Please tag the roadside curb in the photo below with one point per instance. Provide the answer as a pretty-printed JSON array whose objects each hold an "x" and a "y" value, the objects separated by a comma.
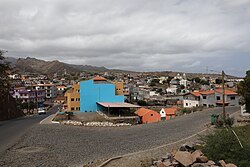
[{"x": 155, "y": 148}]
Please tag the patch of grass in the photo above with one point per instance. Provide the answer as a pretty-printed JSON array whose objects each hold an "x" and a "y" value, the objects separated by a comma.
[{"x": 223, "y": 145}]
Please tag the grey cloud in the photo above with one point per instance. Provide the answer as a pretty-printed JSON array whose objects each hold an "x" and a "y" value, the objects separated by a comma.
[{"x": 134, "y": 35}]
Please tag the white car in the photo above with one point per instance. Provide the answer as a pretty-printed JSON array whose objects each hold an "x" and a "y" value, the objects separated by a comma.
[{"x": 41, "y": 111}]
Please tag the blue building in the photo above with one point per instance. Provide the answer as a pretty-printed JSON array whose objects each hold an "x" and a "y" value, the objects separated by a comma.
[{"x": 97, "y": 90}]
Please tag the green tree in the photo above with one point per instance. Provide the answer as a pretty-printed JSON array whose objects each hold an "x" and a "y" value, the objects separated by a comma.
[
  {"x": 4, "y": 80},
  {"x": 197, "y": 80},
  {"x": 244, "y": 90},
  {"x": 142, "y": 103}
]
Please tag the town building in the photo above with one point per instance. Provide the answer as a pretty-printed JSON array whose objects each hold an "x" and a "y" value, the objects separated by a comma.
[
  {"x": 192, "y": 99},
  {"x": 97, "y": 90},
  {"x": 148, "y": 116},
  {"x": 168, "y": 113},
  {"x": 72, "y": 98},
  {"x": 24, "y": 95},
  {"x": 211, "y": 98},
  {"x": 119, "y": 88},
  {"x": 50, "y": 90}
]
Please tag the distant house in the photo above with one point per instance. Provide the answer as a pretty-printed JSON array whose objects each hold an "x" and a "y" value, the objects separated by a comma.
[
  {"x": 50, "y": 89},
  {"x": 148, "y": 116},
  {"x": 191, "y": 99},
  {"x": 211, "y": 98},
  {"x": 168, "y": 113}
]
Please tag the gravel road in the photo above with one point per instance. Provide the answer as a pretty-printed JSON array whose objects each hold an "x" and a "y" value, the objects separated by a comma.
[{"x": 61, "y": 145}]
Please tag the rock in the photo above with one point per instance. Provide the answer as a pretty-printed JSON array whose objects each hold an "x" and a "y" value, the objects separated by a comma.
[
  {"x": 167, "y": 156},
  {"x": 210, "y": 162},
  {"x": 196, "y": 154},
  {"x": 199, "y": 165},
  {"x": 173, "y": 152},
  {"x": 162, "y": 165},
  {"x": 189, "y": 146},
  {"x": 183, "y": 148},
  {"x": 156, "y": 163},
  {"x": 167, "y": 162},
  {"x": 223, "y": 163},
  {"x": 230, "y": 165},
  {"x": 202, "y": 159},
  {"x": 184, "y": 157},
  {"x": 175, "y": 162}
]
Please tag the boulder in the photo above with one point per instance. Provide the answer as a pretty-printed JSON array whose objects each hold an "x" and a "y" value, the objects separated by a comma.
[
  {"x": 199, "y": 165},
  {"x": 184, "y": 157},
  {"x": 230, "y": 165},
  {"x": 196, "y": 154},
  {"x": 187, "y": 147},
  {"x": 210, "y": 162},
  {"x": 222, "y": 163},
  {"x": 202, "y": 159},
  {"x": 167, "y": 156}
]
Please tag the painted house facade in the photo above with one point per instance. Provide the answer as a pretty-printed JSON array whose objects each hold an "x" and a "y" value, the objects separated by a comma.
[
  {"x": 50, "y": 90},
  {"x": 192, "y": 99},
  {"x": 168, "y": 113},
  {"x": 96, "y": 90},
  {"x": 148, "y": 116},
  {"x": 29, "y": 95},
  {"x": 212, "y": 98},
  {"x": 72, "y": 98}
]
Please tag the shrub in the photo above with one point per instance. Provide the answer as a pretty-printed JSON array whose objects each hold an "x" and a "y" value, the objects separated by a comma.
[{"x": 223, "y": 145}]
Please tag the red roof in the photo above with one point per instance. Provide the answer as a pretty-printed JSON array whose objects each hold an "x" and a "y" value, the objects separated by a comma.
[
  {"x": 207, "y": 92},
  {"x": 98, "y": 78},
  {"x": 143, "y": 111},
  {"x": 227, "y": 92},
  {"x": 170, "y": 111},
  {"x": 196, "y": 94}
]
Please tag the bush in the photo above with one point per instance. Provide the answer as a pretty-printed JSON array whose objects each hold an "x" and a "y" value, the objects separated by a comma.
[
  {"x": 227, "y": 122},
  {"x": 223, "y": 145}
]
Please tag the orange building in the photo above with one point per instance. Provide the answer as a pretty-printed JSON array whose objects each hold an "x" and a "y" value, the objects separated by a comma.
[
  {"x": 168, "y": 113},
  {"x": 72, "y": 98},
  {"x": 148, "y": 116},
  {"x": 119, "y": 88}
]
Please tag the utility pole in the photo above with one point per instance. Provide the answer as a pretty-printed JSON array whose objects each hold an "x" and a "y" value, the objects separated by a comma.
[{"x": 223, "y": 95}]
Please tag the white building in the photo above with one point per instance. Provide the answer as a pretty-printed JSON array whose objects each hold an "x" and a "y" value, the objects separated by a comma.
[{"x": 191, "y": 99}]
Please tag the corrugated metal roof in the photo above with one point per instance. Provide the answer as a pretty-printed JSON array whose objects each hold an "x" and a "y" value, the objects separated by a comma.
[{"x": 117, "y": 105}]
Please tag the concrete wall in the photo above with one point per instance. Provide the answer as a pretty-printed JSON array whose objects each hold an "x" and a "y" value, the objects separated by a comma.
[
  {"x": 190, "y": 103},
  {"x": 91, "y": 93},
  {"x": 209, "y": 101}
]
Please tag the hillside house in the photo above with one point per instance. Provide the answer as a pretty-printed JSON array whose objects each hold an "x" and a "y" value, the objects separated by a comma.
[
  {"x": 168, "y": 113},
  {"x": 192, "y": 99},
  {"x": 148, "y": 116}
]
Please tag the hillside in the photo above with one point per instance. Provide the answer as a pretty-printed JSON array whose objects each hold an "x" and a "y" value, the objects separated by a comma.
[{"x": 33, "y": 65}]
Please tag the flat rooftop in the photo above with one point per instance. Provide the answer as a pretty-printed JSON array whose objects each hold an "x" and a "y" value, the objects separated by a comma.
[{"x": 117, "y": 105}]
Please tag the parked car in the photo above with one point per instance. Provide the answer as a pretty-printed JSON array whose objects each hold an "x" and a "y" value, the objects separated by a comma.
[{"x": 41, "y": 111}]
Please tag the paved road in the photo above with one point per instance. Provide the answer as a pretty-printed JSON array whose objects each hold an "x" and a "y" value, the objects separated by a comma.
[
  {"x": 61, "y": 145},
  {"x": 12, "y": 130}
]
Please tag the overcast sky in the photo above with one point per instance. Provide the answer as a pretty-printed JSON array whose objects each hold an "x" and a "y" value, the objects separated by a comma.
[{"x": 141, "y": 35}]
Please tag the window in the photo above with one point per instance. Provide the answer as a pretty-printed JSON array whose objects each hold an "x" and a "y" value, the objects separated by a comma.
[
  {"x": 218, "y": 97},
  {"x": 204, "y": 97},
  {"x": 72, "y": 108},
  {"x": 77, "y": 99},
  {"x": 186, "y": 104},
  {"x": 72, "y": 99},
  {"x": 204, "y": 105},
  {"x": 232, "y": 98}
]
